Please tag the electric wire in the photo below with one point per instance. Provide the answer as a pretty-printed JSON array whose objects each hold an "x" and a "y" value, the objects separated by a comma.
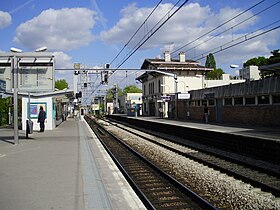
[
  {"x": 246, "y": 38},
  {"x": 152, "y": 33},
  {"x": 151, "y": 29},
  {"x": 136, "y": 31},
  {"x": 213, "y": 37},
  {"x": 241, "y": 13}
]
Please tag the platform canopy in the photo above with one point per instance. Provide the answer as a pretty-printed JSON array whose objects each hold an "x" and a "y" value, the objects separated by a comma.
[{"x": 270, "y": 70}]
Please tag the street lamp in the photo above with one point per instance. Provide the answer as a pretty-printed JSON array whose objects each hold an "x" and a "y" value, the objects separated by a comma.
[
  {"x": 15, "y": 65},
  {"x": 15, "y": 94},
  {"x": 15, "y": 50},
  {"x": 41, "y": 49},
  {"x": 233, "y": 66}
]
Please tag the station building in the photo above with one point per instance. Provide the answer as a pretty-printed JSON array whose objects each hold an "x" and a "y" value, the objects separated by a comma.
[{"x": 167, "y": 79}]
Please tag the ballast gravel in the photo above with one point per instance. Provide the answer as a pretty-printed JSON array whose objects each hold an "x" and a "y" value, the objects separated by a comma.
[{"x": 218, "y": 188}]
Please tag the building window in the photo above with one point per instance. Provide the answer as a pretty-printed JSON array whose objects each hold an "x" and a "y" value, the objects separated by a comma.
[
  {"x": 228, "y": 101},
  {"x": 238, "y": 101},
  {"x": 192, "y": 103},
  {"x": 204, "y": 102},
  {"x": 250, "y": 101},
  {"x": 159, "y": 87},
  {"x": 211, "y": 102},
  {"x": 276, "y": 99},
  {"x": 144, "y": 87},
  {"x": 263, "y": 99}
]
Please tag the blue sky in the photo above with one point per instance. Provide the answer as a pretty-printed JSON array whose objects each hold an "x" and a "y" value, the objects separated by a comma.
[{"x": 92, "y": 32}]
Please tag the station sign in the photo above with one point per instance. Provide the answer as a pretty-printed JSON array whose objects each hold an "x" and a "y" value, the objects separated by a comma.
[
  {"x": 184, "y": 96},
  {"x": 165, "y": 98}
]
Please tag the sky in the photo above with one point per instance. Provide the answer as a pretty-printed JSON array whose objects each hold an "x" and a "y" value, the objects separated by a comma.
[{"x": 94, "y": 32}]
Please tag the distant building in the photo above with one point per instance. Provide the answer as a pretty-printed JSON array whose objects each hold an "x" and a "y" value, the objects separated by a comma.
[
  {"x": 250, "y": 73},
  {"x": 166, "y": 78},
  {"x": 128, "y": 101}
]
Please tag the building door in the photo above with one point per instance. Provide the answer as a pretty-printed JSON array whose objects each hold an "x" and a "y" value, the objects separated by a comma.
[
  {"x": 219, "y": 107},
  {"x": 152, "y": 109}
]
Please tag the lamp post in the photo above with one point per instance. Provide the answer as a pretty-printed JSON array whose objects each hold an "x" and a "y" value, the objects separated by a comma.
[
  {"x": 14, "y": 63},
  {"x": 15, "y": 95}
]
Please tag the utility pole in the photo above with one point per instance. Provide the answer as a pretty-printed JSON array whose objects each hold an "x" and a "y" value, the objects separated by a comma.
[
  {"x": 15, "y": 69},
  {"x": 115, "y": 102}
]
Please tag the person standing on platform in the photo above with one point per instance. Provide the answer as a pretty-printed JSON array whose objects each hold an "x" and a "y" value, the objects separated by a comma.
[
  {"x": 41, "y": 119},
  {"x": 160, "y": 112},
  {"x": 206, "y": 113}
]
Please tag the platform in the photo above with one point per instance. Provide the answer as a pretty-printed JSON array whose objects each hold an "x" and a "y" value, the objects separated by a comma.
[
  {"x": 64, "y": 168},
  {"x": 242, "y": 130}
]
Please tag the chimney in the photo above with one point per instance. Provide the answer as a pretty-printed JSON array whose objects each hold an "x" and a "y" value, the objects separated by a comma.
[
  {"x": 167, "y": 56},
  {"x": 182, "y": 57}
]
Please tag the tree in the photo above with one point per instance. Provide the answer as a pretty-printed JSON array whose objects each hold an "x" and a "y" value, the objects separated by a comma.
[
  {"x": 210, "y": 61},
  {"x": 259, "y": 61},
  {"x": 275, "y": 58},
  {"x": 215, "y": 74},
  {"x": 132, "y": 89},
  {"x": 111, "y": 92},
  {"x": 61, "y": 84},
  {"x": 4, "y": 110}
]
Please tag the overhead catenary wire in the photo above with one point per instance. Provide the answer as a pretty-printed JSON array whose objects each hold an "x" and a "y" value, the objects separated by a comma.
[
  {"x": 243, "y": 21},
  {"x": 152, "y": 33},
  {"x": 246, "y": 38},
  {"x": 136, "y": 31},
  {"x": 219, "y": 26},
  {"x": 146, "y": 33}
]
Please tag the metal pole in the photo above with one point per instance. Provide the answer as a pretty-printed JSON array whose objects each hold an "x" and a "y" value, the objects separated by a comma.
[
  {"x": 29, "y": 118},
  {"x": 15, "y": 68}
]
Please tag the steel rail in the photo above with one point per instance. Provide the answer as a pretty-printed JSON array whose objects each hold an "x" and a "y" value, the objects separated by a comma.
[{"x": 180, "y": 186}]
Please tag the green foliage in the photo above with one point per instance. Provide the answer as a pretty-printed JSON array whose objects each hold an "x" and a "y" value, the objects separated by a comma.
[
  {"x": 210, "y": 61},
  {"x": 4, "y": 110},
  {"x": 215, "y": 74},
  {"x": 262, "y": 61},
  {"x": 110, "y": 93},
  {"x": 127, "y": 89},
  {"x": 275, "y": 58},
  {"x": 61, "y": 84},
  {"x": 132, "y": 89},
  {"x": 259, "y": 61}
]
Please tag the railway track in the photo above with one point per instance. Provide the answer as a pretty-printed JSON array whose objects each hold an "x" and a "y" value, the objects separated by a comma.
[
  {"x": 257, "y": 177},
  {"x": 157, "y": 189}
]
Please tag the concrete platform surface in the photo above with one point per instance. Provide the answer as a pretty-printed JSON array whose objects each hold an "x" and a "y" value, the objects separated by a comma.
[
  {"x": 251, "y": 131},
  {"x": 66, "y": 168}
]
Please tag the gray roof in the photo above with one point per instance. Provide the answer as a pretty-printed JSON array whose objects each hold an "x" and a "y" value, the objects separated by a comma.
[{"x": 174, "y": 64}]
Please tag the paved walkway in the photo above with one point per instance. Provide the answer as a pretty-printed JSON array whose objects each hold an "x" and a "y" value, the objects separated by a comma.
[{"x": 65, "y": 168}]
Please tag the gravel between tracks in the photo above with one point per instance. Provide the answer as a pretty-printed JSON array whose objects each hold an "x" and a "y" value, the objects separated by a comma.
[{"x": 221, "y": 189}]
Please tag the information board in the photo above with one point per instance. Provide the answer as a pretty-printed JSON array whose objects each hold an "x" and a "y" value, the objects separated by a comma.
[
  {"x": 35, "y": 109},
  {"x": 35, "y": 77},
  {"x": 35, "y": 71}
]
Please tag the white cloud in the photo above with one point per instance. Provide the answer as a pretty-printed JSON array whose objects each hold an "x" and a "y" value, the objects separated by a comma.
[
  {"x": 188, "y": 24},
  {"x": 62, "y": 60},
  {"x": 5, "y": 19},
  {"x": 63, "y": 29}
]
